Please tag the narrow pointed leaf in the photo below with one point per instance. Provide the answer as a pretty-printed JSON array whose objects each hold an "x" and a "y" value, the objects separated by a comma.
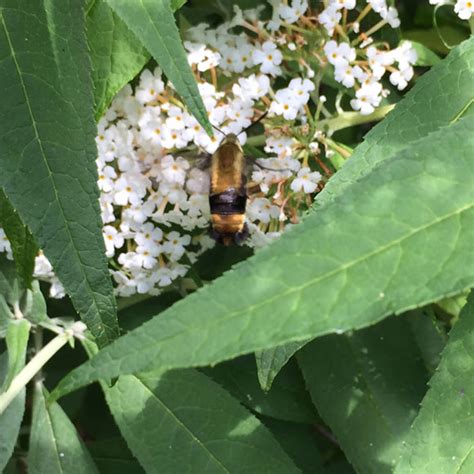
[
  {"x": 117, "y": 55},
  {"x": 367, "y": 388},
  {"x": 55, "y": 447},
  {"x": 23, "y": 246},
  {"x": 18, "y": 333},
  {"x": 377, "y": 253},
  {"x": 271, "y": 361},
  {"x": 153, "y": 23},
  {"x": 47, "y": 148},
  {"x": 441, "y": 439},
  {"x": 10, "y": 419},
  {"x": 183, "y": 419}
]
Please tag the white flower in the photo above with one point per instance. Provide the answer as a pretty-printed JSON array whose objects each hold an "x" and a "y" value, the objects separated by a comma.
[
  {"x": 148, "y": 236},
  {"x": 292, "y": 14},
  {"x": 282, "y": 146},
  {"x": 130, "y": 189},
  {"x": 367, "y": 98},
  {"x": 464, "y": 9},
  {"x": 175, "y": 120},
  {"x": 347, "y": 4},
  {"x": 4, "y": 243},
  {"x": 344, "y": 73},
  {"x": 150, "y": 86},
  {"x": 378, "y": 61},
  {"x": 199, "y": 54},
  {"x": 173, "y": 191},
  {"x": 113, "y": 239},
  {"x": 106, "y": 178},
  {"x": 378, "y": 5},
  {"x": 174, "y": 170},
  {"x": 261, "y": 209},
  {"x": 330, "y": 17},
  {"x": 57, "y": 289},
  {"x": 286, "y": 104},
  {"x": 339, "y": 54},
  {"x": 145, "y": 255},
  {"x": 306, "y": 181},
  {"x": 198, "y": 181},
  {"x": 253, "y": 87},
  {"x": 391, "y": 17},
  {"x": 174, "y": 245},
  {"x": 401, "y": 77},
  {"x": 300, "y": 88},
  {"x": 269, "y": 57}
]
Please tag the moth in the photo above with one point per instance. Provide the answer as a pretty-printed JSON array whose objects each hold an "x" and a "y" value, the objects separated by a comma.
[{"x": 228, "y": 193}]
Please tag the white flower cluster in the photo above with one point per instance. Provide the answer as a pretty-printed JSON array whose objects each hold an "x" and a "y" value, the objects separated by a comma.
[
  {"x": 154, "y": 197},
  {"x": 463, "y": 8},
  {"x": 154, "y": 202},
  {"x": 364, "y": 70}
]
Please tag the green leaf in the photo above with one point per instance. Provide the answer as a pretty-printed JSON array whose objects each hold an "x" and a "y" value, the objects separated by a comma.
[
  {"x": 441, "y": 439},
  {"x": 10, "y": 419},
  {"x": 153, "y": 24},
  {"x": 378, "y": 252},
  {"x": 9, "y": 288},
  {"x": 18, "y": 333},
  {"x": 299, "y": 442},
  {"x": 183, "y": 419},
  {"x": 439, "y": 98},
  {"x": 47, "y": 149},
  {"x": 429, "y": 335},
  {"x": 23, "y": 246},
  {"x": 55, "y": 446},
  {"x": 367, "y": 387},
  {"x": 117, "y": 56},
  {"x": 177, "y": 4},
  {"x": 454, "y": 304},
  {"x": 35, "y": 306},
  {"x": 271, "y": 361},
  {"x": 112, "y": 456},
  {"x": 287, "y": 400},
  {"x": 426, "y": 57}
]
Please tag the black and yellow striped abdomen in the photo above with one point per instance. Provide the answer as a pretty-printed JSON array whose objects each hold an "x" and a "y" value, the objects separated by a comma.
[{"x": 228, "y": 195}]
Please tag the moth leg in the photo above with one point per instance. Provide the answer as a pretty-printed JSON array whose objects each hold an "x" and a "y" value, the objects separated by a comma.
[{"x": 242, "y": 236}]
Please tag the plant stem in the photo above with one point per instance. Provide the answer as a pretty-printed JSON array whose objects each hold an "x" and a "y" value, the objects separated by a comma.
[
  {"x": 32, "y": 368},
  {"x": 350, "y": 119},
  {"x": 343, "y": 120}
]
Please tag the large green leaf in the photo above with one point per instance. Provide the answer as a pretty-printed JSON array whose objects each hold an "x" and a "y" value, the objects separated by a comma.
[
  {"x": 440, "y": 97},
  {"x": 182, "y": 419},
  {"x": 116, "y": 54},
  {"x": 23, "y": 246},
  {"x": 47, "y": 148},
  {"x": 441, "y": 440},
  {"x": 367, "y": 387},
  {"x": 10, "y": 419},
  {"x": 390, "y": 243},
  {"x": 55, "y": 446},
  {"x": 153, "y": 24}
]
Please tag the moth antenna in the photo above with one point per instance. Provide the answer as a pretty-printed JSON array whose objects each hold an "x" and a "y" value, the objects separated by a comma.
[
  {"x": 254, "y": 123},
  {"x": 219, "y": 130}
]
